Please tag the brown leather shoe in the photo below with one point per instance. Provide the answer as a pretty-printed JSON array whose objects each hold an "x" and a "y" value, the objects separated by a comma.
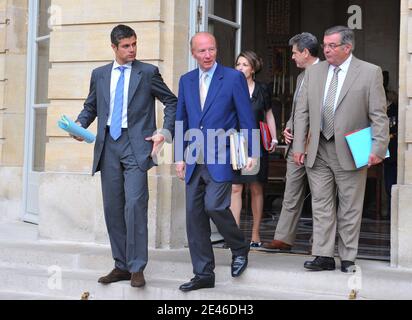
[
  {"x": 277, "y": 244},
  {"x": 115, "y": 275},
  {"x": 137, "y": 279}
]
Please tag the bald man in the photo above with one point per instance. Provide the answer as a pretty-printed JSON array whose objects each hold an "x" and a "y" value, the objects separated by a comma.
[{"x": 211, "y": 97}]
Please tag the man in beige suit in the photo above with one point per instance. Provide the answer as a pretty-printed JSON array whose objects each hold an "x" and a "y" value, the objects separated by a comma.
[
  {"x": 339, "y": 95},
  {"x": 305, "y": 50}
]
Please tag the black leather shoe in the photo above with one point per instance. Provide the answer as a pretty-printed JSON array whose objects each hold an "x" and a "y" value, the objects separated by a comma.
[
  {"x": 239, "y": 264},
  {"x": 320, "y": 264},
  {"x": 198, "y": 283},
  {"x": 347, "y": 266}
]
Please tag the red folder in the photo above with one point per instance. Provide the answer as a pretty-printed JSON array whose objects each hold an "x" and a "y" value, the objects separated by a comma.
[{"x": 265, "y": 134}]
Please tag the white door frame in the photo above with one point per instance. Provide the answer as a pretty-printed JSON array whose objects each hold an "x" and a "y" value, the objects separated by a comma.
[
  {"x": 30, "y": 177},
  {"x": 199, "y": 21}
]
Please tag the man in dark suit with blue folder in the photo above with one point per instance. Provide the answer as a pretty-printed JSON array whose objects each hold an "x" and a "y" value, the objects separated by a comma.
[
  {"x": 211, "y": 98},
  {"x": 122, "y": 97}
]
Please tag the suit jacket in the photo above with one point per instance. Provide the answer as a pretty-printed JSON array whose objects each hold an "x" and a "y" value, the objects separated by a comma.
[
  {"x": 145, "y": 85},
  {"x": 227, "y": 106},
  {"x": 361, "y": 103},
  {"x": 290, "y": 122}
]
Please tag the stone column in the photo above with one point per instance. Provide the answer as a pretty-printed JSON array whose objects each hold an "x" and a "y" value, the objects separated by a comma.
[{"x": 401, "y": 219}]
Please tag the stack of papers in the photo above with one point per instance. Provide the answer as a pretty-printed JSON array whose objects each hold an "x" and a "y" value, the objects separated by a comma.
[
  {"x": 238, "y": 151},
  {"x": 74, "y": 129}
]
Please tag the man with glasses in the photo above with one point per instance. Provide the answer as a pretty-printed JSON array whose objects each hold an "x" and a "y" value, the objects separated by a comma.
[{"x": 339, "y": 96}]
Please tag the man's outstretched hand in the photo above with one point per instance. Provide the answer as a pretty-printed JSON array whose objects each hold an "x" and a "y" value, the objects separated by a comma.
[{"x": 158, "y": 140}]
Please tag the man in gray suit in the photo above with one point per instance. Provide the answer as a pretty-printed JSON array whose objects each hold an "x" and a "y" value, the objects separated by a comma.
[
  {"x": 122, "y": 97},
  {"x": 339, "y": 95},
  {"x": 305, "y": 50}
]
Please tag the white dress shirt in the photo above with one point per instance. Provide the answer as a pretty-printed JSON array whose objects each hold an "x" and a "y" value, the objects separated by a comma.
[
  {"x": 113, "y": 83},
  {"x": 210, "y": 74},
  {"x": 303, "y": 80},
  {"x": 344, "y": 67}
]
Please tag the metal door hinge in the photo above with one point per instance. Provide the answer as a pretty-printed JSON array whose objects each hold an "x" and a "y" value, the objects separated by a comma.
[{"x": 199, "y": 15}]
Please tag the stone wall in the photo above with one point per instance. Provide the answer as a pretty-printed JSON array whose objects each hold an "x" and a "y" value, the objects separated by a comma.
[{"x": 13, "y": 44}]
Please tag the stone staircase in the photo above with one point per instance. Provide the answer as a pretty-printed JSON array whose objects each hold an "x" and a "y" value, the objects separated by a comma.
[
  {"x": 51, "y": 270},
  {"x": 38, "y": 269}
]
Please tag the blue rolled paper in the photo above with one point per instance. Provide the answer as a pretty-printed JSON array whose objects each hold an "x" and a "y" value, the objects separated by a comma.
[{"x": 74, "y": 129}]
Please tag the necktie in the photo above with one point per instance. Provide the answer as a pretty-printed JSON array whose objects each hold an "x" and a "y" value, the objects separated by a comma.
[
  {"x": 328, "y": 113},
  {"x": 116, "y": 123},
  {"x": 203, "y": 89}
]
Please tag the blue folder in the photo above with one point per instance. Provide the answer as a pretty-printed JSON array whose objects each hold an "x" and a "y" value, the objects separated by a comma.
[
  {"x": 74, "y": 129},
  {"x": 360, "y": 144}
]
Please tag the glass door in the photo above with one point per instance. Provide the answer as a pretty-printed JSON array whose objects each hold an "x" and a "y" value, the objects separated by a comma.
[
  {"x": 224, "y": 20},
  {"x": 36, "y": 105}
]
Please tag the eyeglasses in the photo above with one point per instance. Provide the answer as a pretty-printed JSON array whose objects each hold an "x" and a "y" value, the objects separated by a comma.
[{"x": 332, "y": 46}]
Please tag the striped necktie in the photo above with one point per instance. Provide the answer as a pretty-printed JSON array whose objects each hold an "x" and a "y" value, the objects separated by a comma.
[{"x": 328, "y": 113}]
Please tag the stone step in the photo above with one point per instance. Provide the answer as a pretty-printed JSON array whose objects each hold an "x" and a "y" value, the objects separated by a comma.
[
  {"x": 12, "y": 295},
  {"x": 64, "y": 254},
  {"x": 176, "y": 265},
  {"x": 36, "y": 283},
  {"x": 270, "y": 272}
]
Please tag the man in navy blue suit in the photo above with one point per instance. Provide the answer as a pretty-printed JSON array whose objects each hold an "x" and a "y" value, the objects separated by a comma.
[{"x": 212, "y": 101}]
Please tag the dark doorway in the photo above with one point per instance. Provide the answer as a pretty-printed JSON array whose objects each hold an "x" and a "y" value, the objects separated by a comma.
[{"x": 266, "y": 28}]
